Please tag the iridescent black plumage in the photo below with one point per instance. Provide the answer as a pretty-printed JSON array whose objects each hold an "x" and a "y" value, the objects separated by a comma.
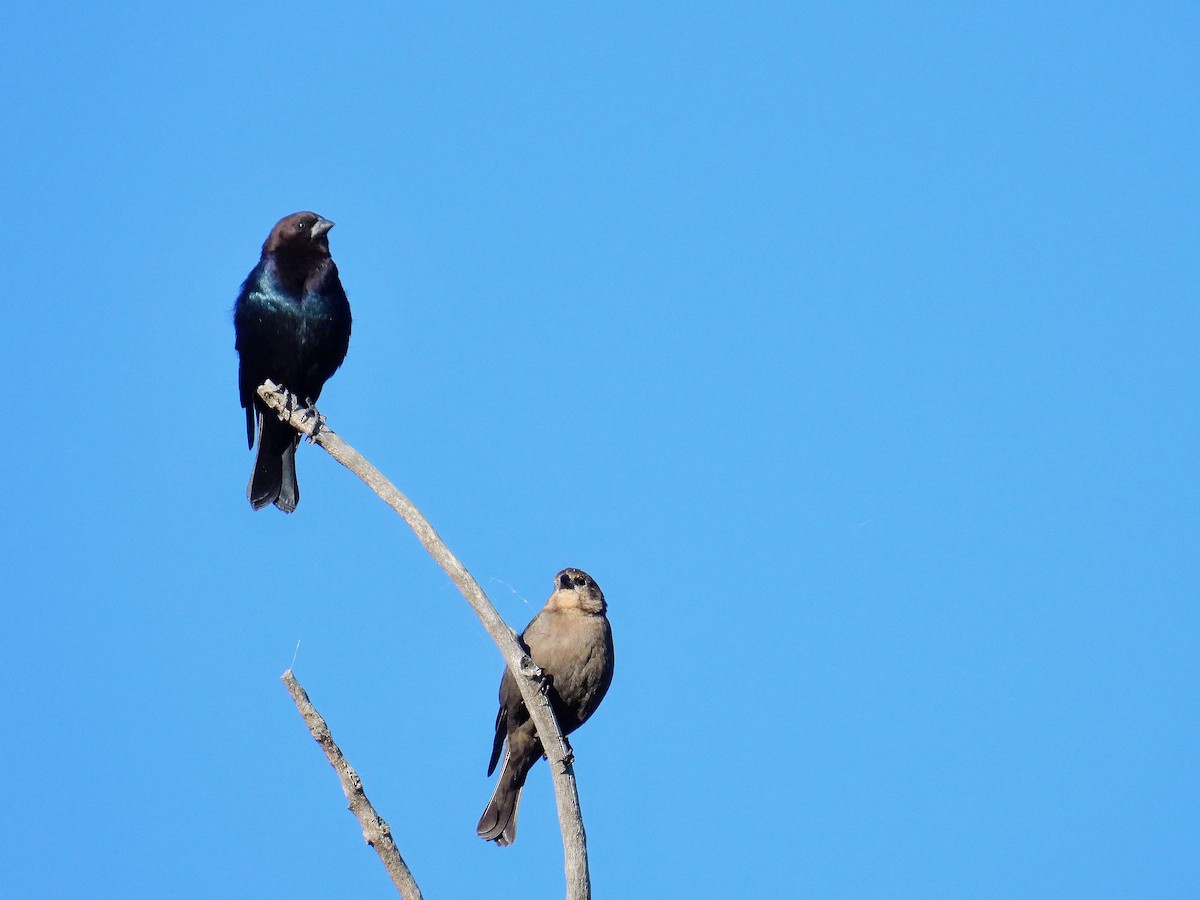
[{"x": 292, "y": 321}]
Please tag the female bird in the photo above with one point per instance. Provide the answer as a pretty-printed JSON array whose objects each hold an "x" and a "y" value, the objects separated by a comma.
[{"x": 571, "y": 641}]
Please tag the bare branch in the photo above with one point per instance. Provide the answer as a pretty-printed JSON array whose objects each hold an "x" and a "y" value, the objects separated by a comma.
[
  {"x": 528, "y": 676},
  {"x": 375, "y": 830}
]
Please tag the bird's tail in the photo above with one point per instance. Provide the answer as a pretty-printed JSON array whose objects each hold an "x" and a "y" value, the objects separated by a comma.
[
  {"x": 499, "y": 821},
  {"x": 289, "y": 490},
  {"x": 274, "y": 477}
]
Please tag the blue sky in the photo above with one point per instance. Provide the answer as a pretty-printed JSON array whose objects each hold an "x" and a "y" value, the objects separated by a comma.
[{"x": 852, "y": 351}]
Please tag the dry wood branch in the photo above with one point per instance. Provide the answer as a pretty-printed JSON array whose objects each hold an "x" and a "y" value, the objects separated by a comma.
[
  {"x": 375, "y": 830},
  {"x": 528, "y": 676}
]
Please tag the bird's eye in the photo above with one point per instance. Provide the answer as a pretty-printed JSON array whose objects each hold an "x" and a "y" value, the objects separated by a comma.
[{"x": 302, "y": 225}]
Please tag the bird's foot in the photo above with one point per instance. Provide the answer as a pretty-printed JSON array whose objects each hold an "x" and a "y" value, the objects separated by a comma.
[
  {"x": 568, "y": 758},
  {"x": 311, "y": 413},
  {"x": 288, "y": 403},
  {"x": 530, "y": 669}
]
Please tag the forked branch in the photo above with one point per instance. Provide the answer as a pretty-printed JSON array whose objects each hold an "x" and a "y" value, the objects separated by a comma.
[{"x": 528, "y": 676}]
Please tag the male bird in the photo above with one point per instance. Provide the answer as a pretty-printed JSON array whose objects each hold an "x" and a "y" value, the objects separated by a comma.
[
  {"x": 571, "y": 641},
  {"x": 292, "y": 322}
]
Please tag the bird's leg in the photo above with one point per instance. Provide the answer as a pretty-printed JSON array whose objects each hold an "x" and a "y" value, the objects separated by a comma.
[
  {"x": 318, "y": 426},
  {"x": 311, "y": 412},
  {"x": 568, "y": 757},
  {"x": 289, "y": 403},
  {"x": 531, "y": 670}
]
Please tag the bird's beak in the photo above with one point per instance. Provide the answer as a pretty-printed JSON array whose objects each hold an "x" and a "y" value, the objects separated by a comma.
[{"x": 321, "y": 227}]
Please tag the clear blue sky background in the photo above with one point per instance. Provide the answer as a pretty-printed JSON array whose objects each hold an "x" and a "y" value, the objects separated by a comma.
[{"x": 853, "y": 351}]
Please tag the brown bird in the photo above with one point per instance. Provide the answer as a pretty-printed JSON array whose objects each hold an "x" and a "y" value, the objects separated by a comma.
[{"x": 571, "y": 641}]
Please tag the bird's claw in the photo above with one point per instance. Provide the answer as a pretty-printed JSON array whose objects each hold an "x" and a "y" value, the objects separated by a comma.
[
  {"x": 287, "y": 403},
  {"x": 530, "y": 669},
  {"x": 568, "y": 757},
  {"x": 318, "y": 424}
]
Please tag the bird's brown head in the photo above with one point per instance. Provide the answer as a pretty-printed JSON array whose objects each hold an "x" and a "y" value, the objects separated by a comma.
[
  {"x": 301, "y": 233},
  {"x": 575, "y": 587}
]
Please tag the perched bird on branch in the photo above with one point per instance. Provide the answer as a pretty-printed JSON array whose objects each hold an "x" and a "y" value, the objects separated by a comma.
[
  {"x": 571, "y": 641},
  {"x": 292, "y": 322}
]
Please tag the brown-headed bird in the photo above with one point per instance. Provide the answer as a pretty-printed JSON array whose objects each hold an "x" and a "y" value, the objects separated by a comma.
[
  {"x": 571, "y": 641},
  {"x": 292, "y": 322}
]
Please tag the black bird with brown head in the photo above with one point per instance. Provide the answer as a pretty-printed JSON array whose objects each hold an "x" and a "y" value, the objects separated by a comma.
[{"x": 292, "y": 325}]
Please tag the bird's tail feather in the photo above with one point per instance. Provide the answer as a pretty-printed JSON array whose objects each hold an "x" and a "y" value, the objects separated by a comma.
[
  {"x": 274, "y": 477},
  {"x": 499, "y": 820},
  {"x": 289, "y": 489}
]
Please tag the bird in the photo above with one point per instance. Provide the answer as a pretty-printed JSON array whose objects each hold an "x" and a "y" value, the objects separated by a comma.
[
  {"x": 571, "y": 641},
  {"x": 292, "y": 326}
]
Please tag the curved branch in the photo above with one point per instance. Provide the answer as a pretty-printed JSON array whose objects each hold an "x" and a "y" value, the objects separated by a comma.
[
  {"x": 376, "y": 831},
  {"x": 528, "y": 676}
]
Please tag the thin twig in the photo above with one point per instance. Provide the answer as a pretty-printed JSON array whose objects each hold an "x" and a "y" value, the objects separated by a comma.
[
  {"x": 375, "y": 830},
  {"x": 528, "y": 676}
]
